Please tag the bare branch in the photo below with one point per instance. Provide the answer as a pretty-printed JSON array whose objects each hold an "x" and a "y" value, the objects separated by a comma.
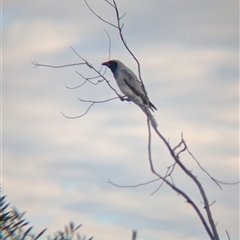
[
  {"x": 214, "y": 235},
  {"x": 79, "y": 116},
  {"x": 103, "y": 101},
  {"x": 98, "y": 15},
  {"x": 78, "y": 86},
  {"x": 169, "y": 172},
  {"x": 211, "y": 204},
  {"x": 109, "y": 3},
  {"x": 133, "y": 186},
  {"x": 36, "y": 64},
  {"x": 87, "y": 80},
  {"x": 157, "y": 188},
  {"x": 120, "y": 18},
  {"x": 91, "y": 105},
  {"x": 228, "y": 235},
  {"x": 177, "y": 146},
  {"x": 134, "y": 235},
  {"x": 98, "y": 72},
  {"x": 214, "y": 179},
  {"x": 109, "y": 45},
  {"x": 91, "y": 78}
]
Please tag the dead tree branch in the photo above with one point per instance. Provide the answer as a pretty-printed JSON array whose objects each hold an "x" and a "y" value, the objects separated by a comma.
[
  {"x": 212, "y": 232},
  {"x": 174, "y": 152}
]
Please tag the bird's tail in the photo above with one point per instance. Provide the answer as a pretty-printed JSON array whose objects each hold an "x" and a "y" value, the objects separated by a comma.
[{"x": 149, "y": 115}]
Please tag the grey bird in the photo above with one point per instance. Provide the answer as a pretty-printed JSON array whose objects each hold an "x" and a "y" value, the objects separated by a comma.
[{"x": 131, "y": 87}]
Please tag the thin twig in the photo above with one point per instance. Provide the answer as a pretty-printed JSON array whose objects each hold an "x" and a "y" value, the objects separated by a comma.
[
  {"x": 98, "y": 72},
  {"x": 218, "y": 182},
  {"x": 109, "y": 44},
  {"x": 102, "y": 101},
  {"x": 109, "y": 3},
  {"x": 102, "y": 19},
  {"x": 36, "y": 64},
  {"x": 91, "y": 105},
  {"x": 133, "y": 186},
  {"x": 228, "y": 235},
  {"x": 78, "y": 86},
  {"x": 168, "y": 174},
  {"x": 79, "y": 116}
]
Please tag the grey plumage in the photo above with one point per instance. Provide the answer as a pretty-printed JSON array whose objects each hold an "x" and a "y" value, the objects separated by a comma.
[{"x": 131, "y": 87}]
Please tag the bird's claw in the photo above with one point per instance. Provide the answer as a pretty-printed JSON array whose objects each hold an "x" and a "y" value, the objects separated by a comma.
[{"x": 124, "y": 98}]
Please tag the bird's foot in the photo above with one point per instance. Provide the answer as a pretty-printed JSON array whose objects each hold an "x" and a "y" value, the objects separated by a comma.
[{"x": 124, "y": 98}]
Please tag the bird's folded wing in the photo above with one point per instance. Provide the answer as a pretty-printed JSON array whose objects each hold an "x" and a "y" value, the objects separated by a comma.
[{"x": 134, "y": 84}]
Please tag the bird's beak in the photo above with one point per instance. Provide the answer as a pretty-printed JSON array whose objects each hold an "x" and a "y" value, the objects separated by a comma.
[{"x": 105, "y": 63}]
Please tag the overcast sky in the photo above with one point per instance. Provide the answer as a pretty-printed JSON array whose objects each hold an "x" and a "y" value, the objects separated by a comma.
[{"x": 56, "y": 169}]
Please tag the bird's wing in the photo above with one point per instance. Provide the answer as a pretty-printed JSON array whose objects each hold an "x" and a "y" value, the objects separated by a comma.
[
  {"x": 136, "y": 86},
  {"x": 133, "y": 83}
]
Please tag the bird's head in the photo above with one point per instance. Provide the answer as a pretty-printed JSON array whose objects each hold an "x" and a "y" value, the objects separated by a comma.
[{"x": 112, "y": 64}]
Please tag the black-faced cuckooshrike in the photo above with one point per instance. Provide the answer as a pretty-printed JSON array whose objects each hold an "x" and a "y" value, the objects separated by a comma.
[{"x": 131, "y": 87}]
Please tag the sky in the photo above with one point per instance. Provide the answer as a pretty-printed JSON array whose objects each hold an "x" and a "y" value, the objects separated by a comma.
[{"x": 57, "y": 169}]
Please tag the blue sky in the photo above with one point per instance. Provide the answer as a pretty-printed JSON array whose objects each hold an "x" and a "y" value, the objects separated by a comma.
[{"x": 57, "y": 169}]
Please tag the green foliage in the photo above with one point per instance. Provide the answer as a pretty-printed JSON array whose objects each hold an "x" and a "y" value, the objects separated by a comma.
[
  {"x": 12, "y": 224},
  {"x": 14, "y": 227},
  {"x": 69, "y": 233}
]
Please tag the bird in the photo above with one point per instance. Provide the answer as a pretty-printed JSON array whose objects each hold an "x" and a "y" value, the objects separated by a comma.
[{"x": 131, "y": 87}]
